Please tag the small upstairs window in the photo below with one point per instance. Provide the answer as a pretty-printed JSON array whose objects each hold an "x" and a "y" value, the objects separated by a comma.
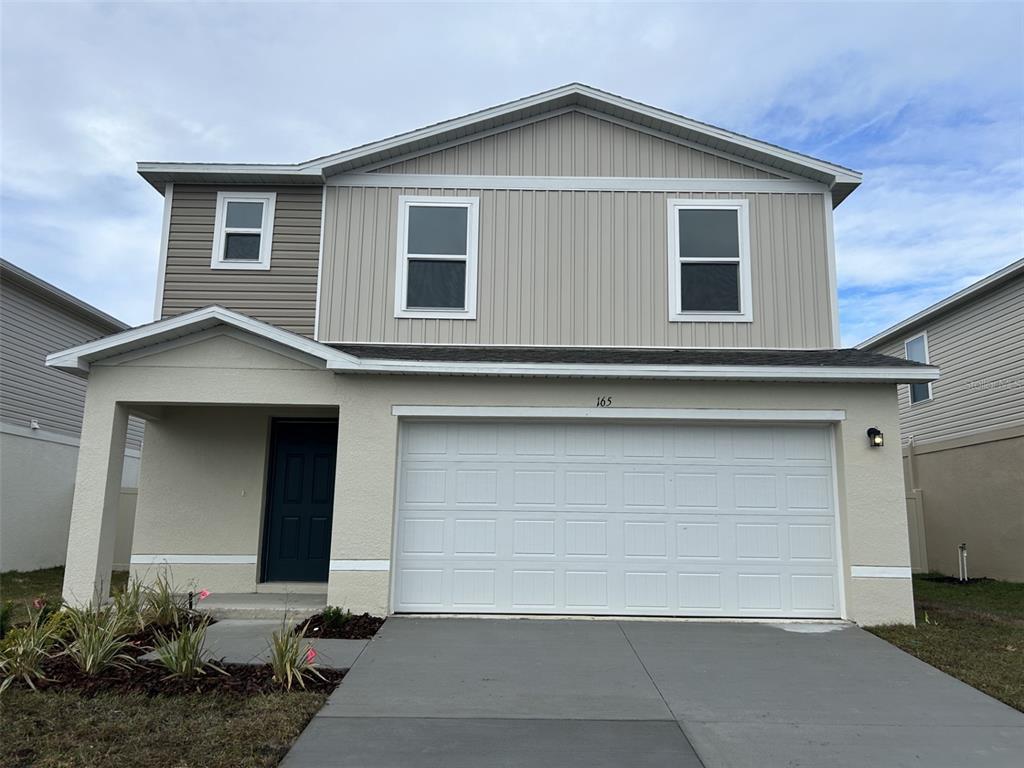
[
  {"x": 437, "y": 254},
  {"x": 244, "y": 230},
  {"x": 709, "y": 261},
  {"x": 916, "y": 349}
]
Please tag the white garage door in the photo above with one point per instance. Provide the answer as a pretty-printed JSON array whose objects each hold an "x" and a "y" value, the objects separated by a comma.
[{"x": 668, "y": 519}]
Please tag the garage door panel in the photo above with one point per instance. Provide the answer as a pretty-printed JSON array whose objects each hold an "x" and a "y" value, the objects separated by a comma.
[{"x": 649, "y": 519}]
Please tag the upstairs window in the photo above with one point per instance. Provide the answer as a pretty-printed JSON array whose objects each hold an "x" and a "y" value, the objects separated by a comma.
[
  {"x": 709, "y": 261},
  {"x": 916, "y": 349},
  {"x": 244, "y": 230},
  {"x": 437, "y": 254}
]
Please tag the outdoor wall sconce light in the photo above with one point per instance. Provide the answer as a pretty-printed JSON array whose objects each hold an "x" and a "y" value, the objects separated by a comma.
[{"x": 875, "y": 437}]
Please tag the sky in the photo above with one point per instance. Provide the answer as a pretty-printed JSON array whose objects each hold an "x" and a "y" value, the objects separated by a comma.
[{"x": 927, "y": 100}]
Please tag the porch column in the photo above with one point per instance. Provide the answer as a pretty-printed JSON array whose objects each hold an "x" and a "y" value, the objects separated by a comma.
[
  {"x": 363, "y": 510},
  {"x": 94, "y": 511}
]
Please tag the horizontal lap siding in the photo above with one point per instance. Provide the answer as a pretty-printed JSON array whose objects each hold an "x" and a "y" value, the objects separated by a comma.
[
  {"x": 979, "y": 348},
  {"x": 32, "y": 327},
  {"x": 284, "y": 295},
  {"x": 576, "y": 144},
  {"x": 575, "y": 268}
]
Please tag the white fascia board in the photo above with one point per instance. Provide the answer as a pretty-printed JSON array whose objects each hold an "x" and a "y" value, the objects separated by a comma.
[
  {"x": 77, "y": 359},
  {"x": 240, "y": 169},
  {"x": 572, "y": 183},
  {"x": 628, "y": 414},
  {"x": 838, "y": 173},
  {"x": 1008, "y": 272},
  {"x": 895, "y": 374}
]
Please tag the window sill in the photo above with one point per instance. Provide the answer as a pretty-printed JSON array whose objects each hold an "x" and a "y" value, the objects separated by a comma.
[
  {"x": 440, "y": 314},
  {"x": 250, "y": 266},
  {"x": 710, "y": 317}
]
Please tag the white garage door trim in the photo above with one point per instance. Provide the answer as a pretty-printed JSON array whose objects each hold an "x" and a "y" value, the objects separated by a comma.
[{"x": 768, "y": 419}]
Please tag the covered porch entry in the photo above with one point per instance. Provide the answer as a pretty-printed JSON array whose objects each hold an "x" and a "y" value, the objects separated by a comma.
[{"x": 239, "y": 478}]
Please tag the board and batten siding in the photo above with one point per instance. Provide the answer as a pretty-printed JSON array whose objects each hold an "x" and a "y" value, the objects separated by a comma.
[
  {"x": 284, "y": 295},
  {"x": 575, "y": 268},
  {"x": 576, "y": 144},
  {"x": 979, "y": 347},
  {"x": 33, "y": 326}
]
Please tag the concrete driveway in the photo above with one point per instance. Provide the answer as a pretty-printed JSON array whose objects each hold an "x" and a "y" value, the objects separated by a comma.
[{"x": 531, "y": 693}]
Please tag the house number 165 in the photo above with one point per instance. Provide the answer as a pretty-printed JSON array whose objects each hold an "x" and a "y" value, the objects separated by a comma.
[{"x": 604, "y": 402}]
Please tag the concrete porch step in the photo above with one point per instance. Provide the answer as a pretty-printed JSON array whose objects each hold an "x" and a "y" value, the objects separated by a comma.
[{"x": 291, "y": 606}]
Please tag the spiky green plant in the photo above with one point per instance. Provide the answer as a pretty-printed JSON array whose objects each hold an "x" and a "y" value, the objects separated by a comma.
[
  {"x": 94, "y": 640},
  {"x": 292, "y": 657},
  {"x": 163, "y": 606},
  {"x": 25, "y": 648},
  {"x": 183, "y": 652}
]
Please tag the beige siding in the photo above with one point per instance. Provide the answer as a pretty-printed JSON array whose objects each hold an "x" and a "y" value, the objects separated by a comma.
[
  {"x": 575, "y": 268},
  {"x": 576, "y": 144},
  {"x": 32, "y": 327},
  {"x": 980, "y": 349},
  {"x": 284, "y": 295}
]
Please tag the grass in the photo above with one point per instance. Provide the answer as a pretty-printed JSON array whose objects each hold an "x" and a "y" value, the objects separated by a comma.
[
  {"x": 52, "y": 729},
  {"x": 22, "y": 587},
  {"x": 974, "y": 632}
]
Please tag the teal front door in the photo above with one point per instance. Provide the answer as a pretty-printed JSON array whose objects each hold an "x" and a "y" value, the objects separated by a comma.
[{"x": 300, "y": 500}]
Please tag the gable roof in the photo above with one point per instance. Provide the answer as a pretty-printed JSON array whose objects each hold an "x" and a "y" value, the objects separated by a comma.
[
  {"x": 971, "y": 293},
  {"x": 842, "y": 181},
  {"x": 677, "y": 364},
  {"x": 13, "y": 273}
]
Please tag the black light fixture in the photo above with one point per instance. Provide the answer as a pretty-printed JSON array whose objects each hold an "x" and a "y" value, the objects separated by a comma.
[{"x": 875, "y": 437}]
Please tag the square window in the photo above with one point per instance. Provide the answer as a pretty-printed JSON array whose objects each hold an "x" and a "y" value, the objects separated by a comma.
[
  {"x": 433, "y": 283},
  {"x": 244, "y": 215},
  {"x": 243, "y": 230},
  {"x": 709, "y": 287},
  {"x": 708, "y": 234},
  {"x": 437, "y": 230},
  {"x": 709, "y": 261},
  {"x": 241, "y": 247},
  {"x": 437, "y": 255}
]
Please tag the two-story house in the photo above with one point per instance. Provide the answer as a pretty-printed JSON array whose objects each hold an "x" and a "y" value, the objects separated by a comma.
[
  {"x": 963, "y": 436},
  {"x": 568, "y": 355}
]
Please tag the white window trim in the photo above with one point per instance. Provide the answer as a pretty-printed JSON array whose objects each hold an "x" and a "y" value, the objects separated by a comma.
[
  {"x": 266, "y": 230},
  {"x": 675, "y": 313},
  {"x": 927, "y": 361},
  {"x": 472, "y": 236}
]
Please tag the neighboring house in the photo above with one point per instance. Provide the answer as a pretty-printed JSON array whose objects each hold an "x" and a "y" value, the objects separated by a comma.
[
  {"x": 568, "y": 355},
  {"x": 41, "y": 419},
  {"x": 963, "y": 435}
]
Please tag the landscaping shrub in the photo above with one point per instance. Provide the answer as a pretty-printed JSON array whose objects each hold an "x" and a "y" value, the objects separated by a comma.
[
  {"x": 129, "y": 603},
  {"x": 335, "y": 617},
  {"x": 163, "y": 607},
  {"x": 291, "y": 658},
  {"x": 25, "y": 648},
  {"x": 182, "y": 652},
  {"x": 94, "y": 640}
]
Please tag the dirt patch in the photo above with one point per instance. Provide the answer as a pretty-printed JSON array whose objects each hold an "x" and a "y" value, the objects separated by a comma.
[{"x": 352, "y": 627}]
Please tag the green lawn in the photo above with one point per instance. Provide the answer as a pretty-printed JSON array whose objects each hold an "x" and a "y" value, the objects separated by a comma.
[
  {"x": 974, "y": 632},
  {"x": 22, "y": 587},
  {"x": 47, "y": 730}
]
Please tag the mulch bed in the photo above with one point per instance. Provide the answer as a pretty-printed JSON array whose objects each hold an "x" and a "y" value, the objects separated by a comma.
[
  {"x": 150, "y": 679},
  {"x": 361, "y": 627}
]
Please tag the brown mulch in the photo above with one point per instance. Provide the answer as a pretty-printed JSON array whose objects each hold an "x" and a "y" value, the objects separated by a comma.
[
  {"x": 361, "y": 627},
  {"x": 150, "y": 679}
]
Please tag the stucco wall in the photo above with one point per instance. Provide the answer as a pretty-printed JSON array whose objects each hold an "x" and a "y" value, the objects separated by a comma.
[
  {"x": 194, "y": 477},
  {"x": 37, "y": 485},
  {"x": 974, "y": 494}
]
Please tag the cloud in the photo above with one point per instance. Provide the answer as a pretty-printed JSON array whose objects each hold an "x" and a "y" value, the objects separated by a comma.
[{"x": 925, "y": 99}]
